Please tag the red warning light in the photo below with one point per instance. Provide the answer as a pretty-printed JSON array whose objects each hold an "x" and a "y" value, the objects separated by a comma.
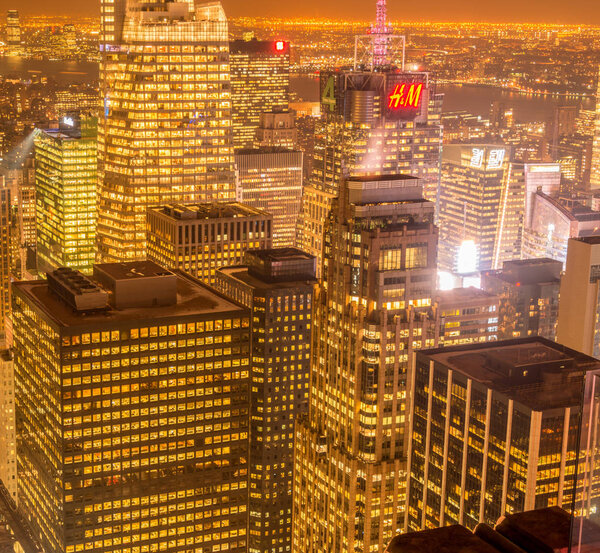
[
  {"x": 405, "y": 96},
  {"x": 280, "y": 45}
]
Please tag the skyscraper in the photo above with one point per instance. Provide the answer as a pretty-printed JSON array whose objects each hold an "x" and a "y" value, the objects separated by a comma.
[
  {"x": 166, "y": 132},
  {"x": 277, "y": 128},
  {"x": 13, "y": 31},
  {"x": 528, "y": 291},
  {"x": 260, "y": 82},
  {"x": 270, "y": 178},
  {"x": 371, "y": 314},
  {"x": 132, "y": 414},
  {"x": 595, "y": 165},
  {"x": 578, "y": 322},
  {"x": 473, "y": 178},
  {"x": 277, "y": 286},
  {"x": 494, "y": 431},
  {"x": 6, "y": 224},
  {"x": 517, "y": 205},
  {"x": 66, "y": 182},
  {"x": 384, "y": 122},
  {"x": 201, "y": 238}
]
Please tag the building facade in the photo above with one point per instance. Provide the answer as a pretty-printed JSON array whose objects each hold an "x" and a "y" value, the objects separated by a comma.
[
  {"x": 166, "y": 132},
  {"x": 277, "y": 128},
  {"x": 494, "y": 431},
  {"x": 270, "y": 179},
  {"x": 465, "y": 316},
  {"x": 595, "y": 164},
  {"x": 371, "y": 123},
  {"x": 473, "y": 178},
  {"x": 278, "y": 287},
  {"x": 132, "y": 415},
  {"x": 6, "y": 224},
  {"x": 260, "y": 82},
  {"x": 8, "y": 444},
  {"x": 528, "y": 291},
  {"x": 66, "y": 180},
  {"x": 579, "y": 307},
  {"x": 371, "y": 313},
  {"x": 201, "y": 238}
]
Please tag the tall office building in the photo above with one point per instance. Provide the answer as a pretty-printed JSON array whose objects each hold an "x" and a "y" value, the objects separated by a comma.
[
  {"x": 131, "y": 394},
  {"x": 494, "y": 431},
  {"x": 528, "y": 291},
  {"x": 465, "y": 316},
  {"x": 8, "y": 444},
  {"x": 371, "y": 314},
  {"x": 6, "y": 224},
  {"x": 201, "y": 238},
  {"x": 66, "y": 180},
  {"x": 522, "y": 181},
  {"x": 579, "y": 307},
  {"x": 383, "y": 123},
  {"x": 13, "y": 30},
  {"x": 473, "y": 179},
  {"x": 595, "y": 164},
  {"x": 270, "y": 178},
  {"x": 278, "y": 287},
  {"x": 260, "y": 82},
  {"x": 166, "y": 132}
]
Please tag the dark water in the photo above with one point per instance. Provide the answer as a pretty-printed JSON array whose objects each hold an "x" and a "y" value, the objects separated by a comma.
[
  {"x": 63, "y": 72},
  {"x": 475, "y": 99}
]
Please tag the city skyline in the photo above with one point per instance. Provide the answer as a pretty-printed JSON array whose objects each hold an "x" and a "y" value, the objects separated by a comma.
[{"x": 582, "y": 12}]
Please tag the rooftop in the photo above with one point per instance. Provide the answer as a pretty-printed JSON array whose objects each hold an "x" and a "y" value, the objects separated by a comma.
[
  {"x": 136, "y": 270},
  {"x": 535, "y": 372},
  {"x": 592, "y": 240},
  {"x": 214, "y": 210},
  {"x": 193, "y": 298},
  {"x": 542, "y": 270}
]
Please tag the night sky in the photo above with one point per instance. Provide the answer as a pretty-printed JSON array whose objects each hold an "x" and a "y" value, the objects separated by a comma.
[{"x": 551, "y": 11}]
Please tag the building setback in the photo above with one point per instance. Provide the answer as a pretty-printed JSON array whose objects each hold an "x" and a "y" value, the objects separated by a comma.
[
  {"x": 371, "y": 313},
  {"x": 201, "y": 238},
  {"x": 165, "y": 136},
  {"x": 528, "y": 291},
  {"x": 277, "y": 286},
  {"x": 131, "y": 394},
  {"x": 494, "y": 430}
]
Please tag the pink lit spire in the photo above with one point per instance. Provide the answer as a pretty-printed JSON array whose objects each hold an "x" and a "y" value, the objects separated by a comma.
[{"x": 380, "y": 32}]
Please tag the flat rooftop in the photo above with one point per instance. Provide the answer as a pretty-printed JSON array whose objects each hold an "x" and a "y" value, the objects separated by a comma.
[
  {"x": 535, "y": 372},
  {"x": 129, "y": 271},
  {"x": 209, "y": 210},
  {"x": 380, "y": 178},
  {"x": 240, "y": 272},
  {"x": 193, "y": 298}
]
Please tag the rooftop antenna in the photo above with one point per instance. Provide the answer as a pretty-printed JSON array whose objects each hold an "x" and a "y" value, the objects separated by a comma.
[{"x": 379, "y": 47}]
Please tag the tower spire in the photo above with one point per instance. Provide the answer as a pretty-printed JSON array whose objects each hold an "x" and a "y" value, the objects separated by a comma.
[{"x": 380, "y": 32}]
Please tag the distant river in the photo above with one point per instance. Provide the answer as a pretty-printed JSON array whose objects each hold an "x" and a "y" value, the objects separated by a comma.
[
  {"x": 475, "y": 99},
  {"x": 472, "y": 98},
  {"x": 63, "y": 72}
]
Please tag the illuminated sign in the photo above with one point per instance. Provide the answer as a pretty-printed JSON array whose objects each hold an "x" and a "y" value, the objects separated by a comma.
[
  {"x": 477, "y": 157},
  {"x": 328, "y": 96},
  {"x": 405, "y": 95},
  {"x": 544, "y": 168},
  {"x": 68, "y": 121},
  {"x": 495, "y": 160},
  {"x": 280, "y": 45}
]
